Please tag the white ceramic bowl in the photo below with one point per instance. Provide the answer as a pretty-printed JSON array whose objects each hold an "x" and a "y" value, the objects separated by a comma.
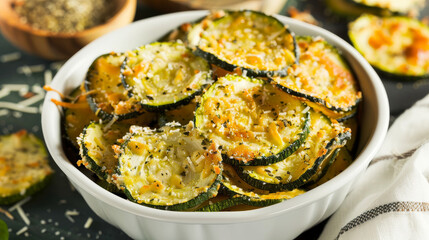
[{"x": 285, "y": 220}]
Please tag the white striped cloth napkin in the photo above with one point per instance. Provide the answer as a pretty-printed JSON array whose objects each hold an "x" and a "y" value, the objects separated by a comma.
[{"x": 391, "y": 199}]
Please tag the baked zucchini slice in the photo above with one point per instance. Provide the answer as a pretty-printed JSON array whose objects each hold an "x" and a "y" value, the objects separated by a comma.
[
  {"x": 394, "y": 6},
  {"x": 24, "y": 166},
  {"x": 254, "y": 122},
  {"x": 77, "y": 115},
  {"x": 164, "y": 75},
  {"x": 246, "y": 41},
  {"x": 351, "y": 9},
  {"x": 294, "y": 171},
  {"x": 323, "y": 168},
  {"x": 188, "y": 30},
  {"x": 341, "y": 161},
  {"x": 107, "y": 96},
  {"x": 171, "y": 168},
  {"x": 323, "y": 78},
  {"x": 96, "y": 148},
  {"x": 250, "y": 195},
  {"x": 241, "y": 193},
  {"x": 397, "y": 46}
]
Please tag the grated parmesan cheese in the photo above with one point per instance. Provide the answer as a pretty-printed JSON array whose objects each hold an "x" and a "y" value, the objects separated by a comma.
[
  {"x": 9, "y": 57},
  {"x": 28, "y": 70},
  {"x": 4, "y": 112},
  {"x": 70, "y": 213},
  {"x": 47, "y": 76},
  {"x": 88, "y": 223},
  {"x": 306, "y": 109},
  {"x": 19, "y": 204},
  {"x": 23, "y": 215},
  {"x": 19, "y": 107},
  {"x": 173, "y": 124},
  {"x": 22, "y": 230},
  {"x": 108, "y": 125}
]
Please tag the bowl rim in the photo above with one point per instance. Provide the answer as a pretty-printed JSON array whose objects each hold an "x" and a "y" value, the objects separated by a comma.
[
  {"x": 12, "y": 19},
  {"x": 364, "y": 157}
]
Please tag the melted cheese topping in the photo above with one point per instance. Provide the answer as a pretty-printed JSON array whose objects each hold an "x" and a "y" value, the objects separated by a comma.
[
  {"x": 322, "y": 74},
  {"x": 250, "y": 118},
  {"x": 23, "y": 163},
  {"x": 169, "y": 166},
  {"x": 403, "y": 6},
  {"x": 397, "y": 45},
  {"x": 165, "y": 73},
  {"x": 250, "y": 40},
  {"x": 291, "y": 168}
]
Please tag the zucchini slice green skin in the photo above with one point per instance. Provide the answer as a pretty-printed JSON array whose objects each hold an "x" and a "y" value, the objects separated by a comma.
[
  {"x": 351, "y": 9},
  {"x": 239, "y": 41},
  {"x": 341, "y": 161},
  {"x": 96, "y": 150},
  {"x": 294, "y": 171},
  {"x": 323, "y": 168},
  {"x": 253, "y": 122},
  {"x": 172, "y": 168},
  {"x": 249, "y": 195},
  {"x": 25, "y": 169},
  {"x": 164, "y": 75},
  {"x": 398, "y": 7},
  {"x": 107, "y": 96},
  {"x": 396, "y": 46},
  {"x": 221, "y": 205},
  {"x": 323, "y": 78}
]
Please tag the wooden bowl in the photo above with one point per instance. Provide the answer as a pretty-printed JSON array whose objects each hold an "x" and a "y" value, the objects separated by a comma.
[{"x": 58, "y": 46}]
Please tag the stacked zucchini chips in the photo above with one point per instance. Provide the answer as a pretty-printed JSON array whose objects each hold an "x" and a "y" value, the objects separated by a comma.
[{"x": 231, "y": 112}]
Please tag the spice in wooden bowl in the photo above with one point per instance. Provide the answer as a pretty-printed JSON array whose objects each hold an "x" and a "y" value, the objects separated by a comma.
[
  {"x": 56, "y": 30},
  {"x": 67, "y": 16}
]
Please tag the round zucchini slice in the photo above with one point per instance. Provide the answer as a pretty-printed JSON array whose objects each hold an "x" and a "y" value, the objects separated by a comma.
[
  {"x": 323, "y": 168},
  {"x": 247, "y": 41},
  {"x": 77, "y": 115},
  {"x": 171, "y": 168},
  {"x": 254, "y": 122},
  {"x": 107, "y": 96},
  {"x": 24, "y": 166},
  {"x": 341, "y": 161},
  {"x": 96, "y": 148},
  {"x": 351, "y": 9},
  {"x": 164, "y": 75},
  {"x": 294, "y": 171},
  {"x": 250, "y": 195},
  {"x": 323, "y": 78},
  {"x": 394, "y": 6},
  {"x": 397, "y": 46},
  {"x": 188, "y": 30}
]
